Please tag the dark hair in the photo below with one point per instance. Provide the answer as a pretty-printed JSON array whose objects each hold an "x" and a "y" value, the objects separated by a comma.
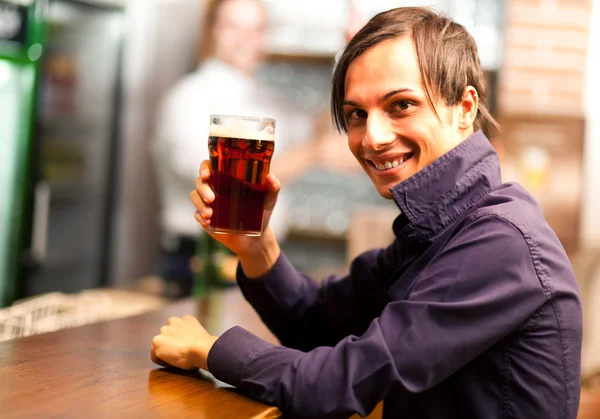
[{"x": 446, "y": 53}]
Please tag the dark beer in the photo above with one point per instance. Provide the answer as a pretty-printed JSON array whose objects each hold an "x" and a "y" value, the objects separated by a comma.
[{"x": 239, "y": 168}]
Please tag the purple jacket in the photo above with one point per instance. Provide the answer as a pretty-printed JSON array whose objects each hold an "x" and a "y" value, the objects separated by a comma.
[{"x": 472, "y": 312}]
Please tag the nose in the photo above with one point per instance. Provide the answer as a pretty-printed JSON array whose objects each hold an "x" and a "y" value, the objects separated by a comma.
[{"x": 379, "y": 132}]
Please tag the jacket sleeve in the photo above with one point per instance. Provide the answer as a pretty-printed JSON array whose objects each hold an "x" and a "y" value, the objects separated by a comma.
[
  {"x": 477, "y": 290},
  {"x": 304, "y": 315}
]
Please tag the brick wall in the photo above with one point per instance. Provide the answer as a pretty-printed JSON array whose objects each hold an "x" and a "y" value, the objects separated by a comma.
[
  {"x": 540, "y": 104},
  {"x": 544, "y": 57}
]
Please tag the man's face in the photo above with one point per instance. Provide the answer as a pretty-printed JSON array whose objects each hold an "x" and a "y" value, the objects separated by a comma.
[
  {"x": 239, "y": 34},
  {"x": 392, "y": 130}
]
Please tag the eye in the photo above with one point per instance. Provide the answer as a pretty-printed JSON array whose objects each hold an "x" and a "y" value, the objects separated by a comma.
[
  {"x": 356, "y": 114},
  {"x": 402, "y": 105}
]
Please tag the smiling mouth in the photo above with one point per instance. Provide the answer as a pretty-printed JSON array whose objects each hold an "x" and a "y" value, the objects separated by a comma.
[{"x": 383, "y": 165}]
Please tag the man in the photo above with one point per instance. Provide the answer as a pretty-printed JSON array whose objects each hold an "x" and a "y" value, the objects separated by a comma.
[{"x": 473, "y": 312}]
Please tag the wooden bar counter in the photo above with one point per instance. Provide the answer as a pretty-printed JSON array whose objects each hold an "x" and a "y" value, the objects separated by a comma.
[{"x": 104, "y": 370}]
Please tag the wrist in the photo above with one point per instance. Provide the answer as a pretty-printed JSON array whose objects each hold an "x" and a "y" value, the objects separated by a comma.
[
  {"x": 199, "y": 351},
  {"x": 257, "y": 260}
]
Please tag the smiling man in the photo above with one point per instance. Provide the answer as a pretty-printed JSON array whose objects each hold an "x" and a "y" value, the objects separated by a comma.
[
  {"x": 472, "y": 312},
  {"x": 392, "y": 129}
]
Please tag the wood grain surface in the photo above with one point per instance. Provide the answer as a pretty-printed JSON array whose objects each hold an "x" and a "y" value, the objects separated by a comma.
[{"x": 104, "y": 370}]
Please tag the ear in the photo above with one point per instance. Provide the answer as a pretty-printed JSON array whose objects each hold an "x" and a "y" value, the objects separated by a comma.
[{"x": 468, "y": 108}]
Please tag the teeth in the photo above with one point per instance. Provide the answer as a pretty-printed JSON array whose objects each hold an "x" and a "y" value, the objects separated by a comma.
[{"x": 389, "y": 164}]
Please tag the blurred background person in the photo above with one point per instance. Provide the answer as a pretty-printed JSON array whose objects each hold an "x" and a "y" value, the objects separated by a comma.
[{"x": 233, "y": 47}]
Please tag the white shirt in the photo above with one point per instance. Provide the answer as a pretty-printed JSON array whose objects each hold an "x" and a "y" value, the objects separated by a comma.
[{"x": 181, "y": 140}]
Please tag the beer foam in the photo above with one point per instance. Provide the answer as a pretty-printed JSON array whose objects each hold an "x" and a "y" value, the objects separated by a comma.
[{"x": 232, "y": 131}]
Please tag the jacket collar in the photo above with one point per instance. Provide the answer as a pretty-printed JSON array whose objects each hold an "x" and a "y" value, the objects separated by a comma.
[{"x": 434, "y": 197}]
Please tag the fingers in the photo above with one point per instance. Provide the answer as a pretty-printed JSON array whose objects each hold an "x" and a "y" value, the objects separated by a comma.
[
  {"x": 204, "y": 171},
  {"x": 153, "y": 349},
  {"x": 169, "y": 328},
  {"x": 203, "y": 213},
  {"x": 203, "y": 221},
  {"x": 176, "y": 321},
  {"x": 203, "y": 196},
  {"x": 159, "y": 361},
  {"x": 204, "y": 191},
  {"x": 204, "y": 210},
  {"x": 190, "y": 319},
  {"x": 273, "y": 186}
]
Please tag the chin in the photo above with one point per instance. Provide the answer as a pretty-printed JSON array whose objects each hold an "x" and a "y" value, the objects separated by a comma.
[{"x": 385, "y": 192}]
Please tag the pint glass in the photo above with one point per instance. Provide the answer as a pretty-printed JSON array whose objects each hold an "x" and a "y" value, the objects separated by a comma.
[{"x": 240, "y": 150}]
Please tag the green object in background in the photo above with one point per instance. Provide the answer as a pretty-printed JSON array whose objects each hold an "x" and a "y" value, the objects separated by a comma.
[
  {"x": 212, "y": 265},
  {"x": 202, "y": 268},
  {"x": 21, "y": 47},
  {"x": 206, "y": 271}
]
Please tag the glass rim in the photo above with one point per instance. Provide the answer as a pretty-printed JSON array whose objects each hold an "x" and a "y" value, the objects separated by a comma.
[{"x": 244, "y": 118}]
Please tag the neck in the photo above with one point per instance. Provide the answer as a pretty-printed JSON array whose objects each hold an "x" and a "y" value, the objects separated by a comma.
[
  {"x": 249, "y": 72},
  {"x": 466, "y": 133}
]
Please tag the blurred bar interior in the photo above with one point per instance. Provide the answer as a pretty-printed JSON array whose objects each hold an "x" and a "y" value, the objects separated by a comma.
[{"x": 80, "y": 84}]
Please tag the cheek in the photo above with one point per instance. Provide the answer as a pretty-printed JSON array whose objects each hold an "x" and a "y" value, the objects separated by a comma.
[
  {"x": 234, "y": 41},
  {"x": 354, "y": 144},
  {"x": 429, "y": 144},
  {"x": 260, "y": 42}
]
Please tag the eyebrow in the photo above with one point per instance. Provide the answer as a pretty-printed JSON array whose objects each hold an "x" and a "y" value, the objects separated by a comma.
[{"x": 384, "y": 97}]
